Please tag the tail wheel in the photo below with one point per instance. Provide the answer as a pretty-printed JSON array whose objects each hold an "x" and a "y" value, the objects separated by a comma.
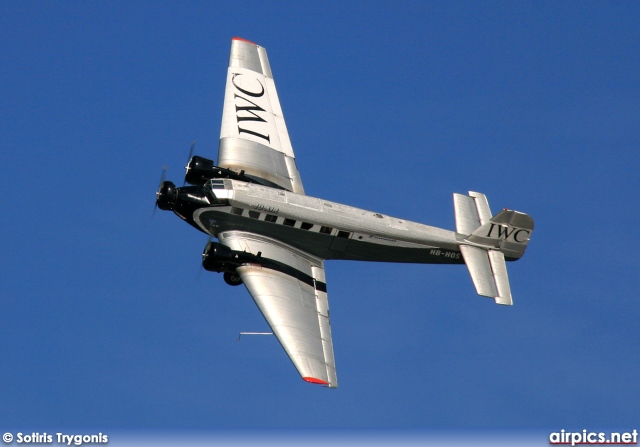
[{"x": 233, "y": 279}]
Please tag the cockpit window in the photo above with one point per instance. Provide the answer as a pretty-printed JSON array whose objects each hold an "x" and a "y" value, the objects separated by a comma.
[{"x": 216, "y": 184}]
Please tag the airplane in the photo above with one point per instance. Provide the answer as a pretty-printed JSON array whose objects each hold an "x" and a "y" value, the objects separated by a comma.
[{"x": 274, "y": 239}]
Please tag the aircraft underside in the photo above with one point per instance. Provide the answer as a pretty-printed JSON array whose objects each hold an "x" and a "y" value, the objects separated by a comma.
[
  {"x": 274, "y": 239},
  {"x": 356, "y": 247}
]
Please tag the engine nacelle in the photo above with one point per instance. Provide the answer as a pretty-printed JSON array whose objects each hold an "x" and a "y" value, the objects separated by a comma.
[
  {"x": 199, "y": 170},
  {"x": 167, "y": 196},
  {"x": 220, "y": 258}
]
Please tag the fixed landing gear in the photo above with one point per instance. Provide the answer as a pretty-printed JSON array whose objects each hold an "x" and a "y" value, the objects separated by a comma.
[{"x": 233, "y": 279}]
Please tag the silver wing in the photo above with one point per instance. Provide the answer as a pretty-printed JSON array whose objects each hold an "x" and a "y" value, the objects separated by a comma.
[
  {"x": 290, "y": 291},
  {"x": 289, "y": 287},
  {"x": 253, "y": 136}
]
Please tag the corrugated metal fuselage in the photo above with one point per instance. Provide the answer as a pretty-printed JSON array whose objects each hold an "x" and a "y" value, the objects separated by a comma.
[{"x": 325, "y": 229}]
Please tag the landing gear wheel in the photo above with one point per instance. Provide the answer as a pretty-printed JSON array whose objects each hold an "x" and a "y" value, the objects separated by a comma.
[{"x": 233, "y": 279}]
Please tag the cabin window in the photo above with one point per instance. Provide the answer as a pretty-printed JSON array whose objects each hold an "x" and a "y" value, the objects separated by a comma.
[
  {"x": 326, "y": 230},
  {"x": 289, "y": 222},
  {"x": 270, "y": 218},
  {"x": 236, "y": 211},
  {"x": 254, "y": 214},
  {"x": 344, "y": 234},
  {"x": 306, "y": 225}
]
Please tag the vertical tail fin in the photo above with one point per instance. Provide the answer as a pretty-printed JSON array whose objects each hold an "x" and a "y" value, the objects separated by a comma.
[
  {"x": 508, "y": 231},
  {"x": 488, "y": 240}
]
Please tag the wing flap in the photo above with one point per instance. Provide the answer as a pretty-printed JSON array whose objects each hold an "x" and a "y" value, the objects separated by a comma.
[{"x": 322, "y": 303}]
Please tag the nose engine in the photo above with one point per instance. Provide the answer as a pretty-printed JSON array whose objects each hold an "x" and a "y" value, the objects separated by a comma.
[{"x": 166, "y": 196}]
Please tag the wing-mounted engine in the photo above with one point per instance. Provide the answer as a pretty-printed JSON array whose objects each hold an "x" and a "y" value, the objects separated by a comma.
[
  {"x": 200, "y": 170},
  {"x": 219, "y": 258}
]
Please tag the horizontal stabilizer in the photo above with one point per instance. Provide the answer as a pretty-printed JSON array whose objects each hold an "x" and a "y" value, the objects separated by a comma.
[
  {"x": 499, "y": 267},
  {"x": 471, "y": 211},
  {"x": 482, "y": 204},
  {"x": 467, "y": 219},
  {"x": 489, "y": 239},
  {"x": 477, "y": 261},
  {"x": 488, "y": 272}
]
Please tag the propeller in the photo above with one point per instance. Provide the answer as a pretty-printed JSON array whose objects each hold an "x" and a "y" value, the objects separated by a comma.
[
  {"x": 201, "y": 269},
  {"x": 193, "y": 145},
  {"x": 162, "y": 178}
]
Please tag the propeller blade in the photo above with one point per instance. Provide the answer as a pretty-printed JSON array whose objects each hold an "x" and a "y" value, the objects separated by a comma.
[
  {"x": 201, "y": 269},
  {"x": 193, "y": 146},
  {"x": 162, "y": 178}
]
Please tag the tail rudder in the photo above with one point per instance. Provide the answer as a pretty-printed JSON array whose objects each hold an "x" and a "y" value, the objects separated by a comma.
[{"x": 508, "y": 231}]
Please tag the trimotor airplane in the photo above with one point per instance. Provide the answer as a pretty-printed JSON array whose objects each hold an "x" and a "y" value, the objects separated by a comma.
[{"x": 274, "y": 239}]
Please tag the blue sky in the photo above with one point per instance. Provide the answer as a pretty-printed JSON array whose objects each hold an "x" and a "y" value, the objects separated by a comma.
[{"x": 107, "y": 320}]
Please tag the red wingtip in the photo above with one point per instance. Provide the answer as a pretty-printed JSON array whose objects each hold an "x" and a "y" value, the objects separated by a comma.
[
  {"x": 314, "y": 380},
  {"x": 243, "y": 40}
]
